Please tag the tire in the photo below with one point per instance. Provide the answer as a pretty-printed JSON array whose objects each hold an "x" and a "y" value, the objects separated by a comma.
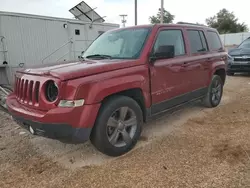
[
  {"x": 107, "y": 125},
  {"x": 230, "y": 73},
  {"x": 209, "y": 100}
]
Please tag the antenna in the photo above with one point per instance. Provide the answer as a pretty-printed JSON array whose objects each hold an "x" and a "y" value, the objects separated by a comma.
[{"x": 124, "y": 21}]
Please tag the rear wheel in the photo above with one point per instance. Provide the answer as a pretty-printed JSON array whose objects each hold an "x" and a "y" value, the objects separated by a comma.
[
  {"x": 118, "y": 126},
  {"x": 214, "y": 94}
]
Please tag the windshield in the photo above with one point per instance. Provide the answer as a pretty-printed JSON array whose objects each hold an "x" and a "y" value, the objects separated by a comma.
[
  {"x": 245, "y": 44},
  {"x": 119, "y": 44}
]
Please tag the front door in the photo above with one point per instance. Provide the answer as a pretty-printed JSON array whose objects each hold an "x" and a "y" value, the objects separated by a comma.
[{"x": 169, "y": 78}]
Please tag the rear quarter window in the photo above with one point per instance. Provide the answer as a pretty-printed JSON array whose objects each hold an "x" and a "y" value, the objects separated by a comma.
[{"x": 214, "y": 40}]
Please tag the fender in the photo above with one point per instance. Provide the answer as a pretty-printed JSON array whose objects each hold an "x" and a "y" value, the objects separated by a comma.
[
  {"x": 220, "y": 62},
  {"x": 93, "y": 89},
  {"x": 216, "y": 66}
]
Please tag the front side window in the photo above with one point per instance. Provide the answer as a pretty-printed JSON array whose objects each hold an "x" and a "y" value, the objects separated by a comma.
[
  {"x": 173, "y": 38},
  {"x": 119, "y": 44},
  {"x": 197, "y": 41}
]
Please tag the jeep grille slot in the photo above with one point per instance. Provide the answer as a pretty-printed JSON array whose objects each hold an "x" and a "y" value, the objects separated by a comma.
[
  {"x": 36, "y": 92},
  {"x": 27, "y": 91},
  {"x": 21, "y": 89}
]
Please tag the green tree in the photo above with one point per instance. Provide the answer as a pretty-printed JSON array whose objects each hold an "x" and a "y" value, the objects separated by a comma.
[
  {"x": 167, "y": 17},
  {"x": 226, "y": 22}
]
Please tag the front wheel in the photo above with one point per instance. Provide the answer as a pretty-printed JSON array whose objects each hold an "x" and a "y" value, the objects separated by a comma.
[
  {"x": 214, "y": 94},
  {"x": 118, "y": 126}
]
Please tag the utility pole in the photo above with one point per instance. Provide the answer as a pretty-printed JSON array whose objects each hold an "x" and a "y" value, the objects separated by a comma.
[
  {"x": 162, "y": 7},
  {"x": 124, "y": 21},
  {"x": 135, "y": 12}
]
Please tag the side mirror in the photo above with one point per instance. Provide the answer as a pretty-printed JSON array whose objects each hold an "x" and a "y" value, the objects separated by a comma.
[{"x": 163, "y": 52}]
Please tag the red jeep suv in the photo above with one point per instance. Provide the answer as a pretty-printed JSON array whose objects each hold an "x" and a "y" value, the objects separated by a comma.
[{"x": 125, "y": 77}]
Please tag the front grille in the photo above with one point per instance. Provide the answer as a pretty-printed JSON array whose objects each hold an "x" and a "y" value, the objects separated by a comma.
[
  {"x": 241, "y": 59},
  {"x": 27, "y": 91},
  {"x": 240, "y": 66}
]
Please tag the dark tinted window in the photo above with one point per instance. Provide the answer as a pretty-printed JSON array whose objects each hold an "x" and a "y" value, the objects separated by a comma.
[
  {"x": 197, "y": 41},
  {"x": 214, "y": 40},
  {"x": 171, "y": 37},
  {"x": 203, "y": 39},
  {"x": 77, "y": 32}
]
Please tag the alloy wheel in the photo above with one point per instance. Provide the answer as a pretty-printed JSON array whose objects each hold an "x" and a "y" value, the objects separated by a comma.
[{"x": 121, "y": 127}]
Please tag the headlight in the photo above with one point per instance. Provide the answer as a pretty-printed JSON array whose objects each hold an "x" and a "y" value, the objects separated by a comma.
[
  {"x": 71, "y": 103},
  {"x": 230, "y": 57},
  {"x": 51, "y": 91}
]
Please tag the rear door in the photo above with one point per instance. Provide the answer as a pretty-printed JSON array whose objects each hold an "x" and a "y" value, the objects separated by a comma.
[{"x": 198, "y": 61}]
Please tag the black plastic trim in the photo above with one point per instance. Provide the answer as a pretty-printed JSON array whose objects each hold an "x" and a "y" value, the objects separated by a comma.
[
  {"x": 162, "y": 106},
  {"x": 62, "y": 132}
]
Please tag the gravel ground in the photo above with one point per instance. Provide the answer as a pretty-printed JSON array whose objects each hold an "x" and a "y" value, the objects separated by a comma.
[{"x": 194, "y": 147}]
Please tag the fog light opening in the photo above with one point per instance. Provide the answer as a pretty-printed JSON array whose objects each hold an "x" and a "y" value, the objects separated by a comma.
[{"x": 32, "y": 131}]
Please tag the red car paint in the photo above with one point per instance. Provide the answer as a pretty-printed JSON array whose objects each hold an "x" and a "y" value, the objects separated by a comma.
[{"x": 94, "y": 80}]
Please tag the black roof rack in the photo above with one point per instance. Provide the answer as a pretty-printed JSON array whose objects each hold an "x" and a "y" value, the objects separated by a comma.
[{"x": 190, "y": 23}]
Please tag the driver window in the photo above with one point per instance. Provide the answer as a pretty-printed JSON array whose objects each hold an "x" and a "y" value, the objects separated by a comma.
[
  {"x": 111, "y": 48},
  {"x": 171, "y": 37}
]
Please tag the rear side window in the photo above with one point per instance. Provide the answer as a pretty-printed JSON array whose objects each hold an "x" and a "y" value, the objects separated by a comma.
[
  {"x": 171, "y": 37},
  {"x": 197, "y": 41},
  {"x": 214, "y": 40}
]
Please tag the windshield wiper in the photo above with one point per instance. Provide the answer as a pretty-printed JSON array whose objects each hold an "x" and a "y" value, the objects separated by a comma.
[{"x": 99, "y": 56}]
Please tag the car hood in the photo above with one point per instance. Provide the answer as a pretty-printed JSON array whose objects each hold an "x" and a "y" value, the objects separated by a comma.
[
  {"x": 76, "y": 69},
  {"x": 239, "y": 51}
]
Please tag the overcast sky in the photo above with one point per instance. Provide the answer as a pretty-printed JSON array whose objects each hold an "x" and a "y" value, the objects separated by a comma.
[{"x": 184, "y": 10}]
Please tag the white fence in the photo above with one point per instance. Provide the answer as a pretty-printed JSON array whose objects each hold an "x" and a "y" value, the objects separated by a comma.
[{"x": 233, "y": 39}]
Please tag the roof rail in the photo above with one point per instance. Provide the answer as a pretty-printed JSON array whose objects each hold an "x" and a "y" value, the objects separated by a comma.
[{"x": 190, "y": 23}]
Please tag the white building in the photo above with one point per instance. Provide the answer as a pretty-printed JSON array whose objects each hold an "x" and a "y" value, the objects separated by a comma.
[{"x": 27, "y": 40}]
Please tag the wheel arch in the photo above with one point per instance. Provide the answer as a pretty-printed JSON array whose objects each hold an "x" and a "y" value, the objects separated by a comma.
[
  {"x": 222, "y": 73},
  {"x": 135, "y": 94}
]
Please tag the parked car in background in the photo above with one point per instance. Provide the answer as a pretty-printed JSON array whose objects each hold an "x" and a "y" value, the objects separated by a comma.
[
  {"x": 126, "y": 77},
  {"x": 239, "y": 58}
]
